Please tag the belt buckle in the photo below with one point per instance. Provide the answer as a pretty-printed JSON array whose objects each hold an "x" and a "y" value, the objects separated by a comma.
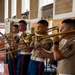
[{"x": 33, "y": 58}]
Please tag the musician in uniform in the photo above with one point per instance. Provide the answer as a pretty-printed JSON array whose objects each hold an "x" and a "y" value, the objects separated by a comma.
[
  {"x": 12, "y": 57},
  {"x": 23, "y": 55},
  {"x": 2, "y": 56},
  {"x": 36, "y": 64},
  {"x": 64, "y": 49}
]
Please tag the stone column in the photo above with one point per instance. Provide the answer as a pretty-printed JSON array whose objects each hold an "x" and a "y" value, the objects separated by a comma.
[
  {"x": 18, "y": 9},
  {"x": 1, "y": 10},
  {"x": 34, "y": 9},
  {"x": 9, "y": 8}
]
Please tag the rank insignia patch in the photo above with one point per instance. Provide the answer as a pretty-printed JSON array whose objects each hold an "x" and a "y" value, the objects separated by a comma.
[{"x": 70, "y": 47}]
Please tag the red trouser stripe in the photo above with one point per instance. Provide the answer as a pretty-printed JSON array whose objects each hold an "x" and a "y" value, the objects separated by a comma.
[
  {"x": 13, "y": 66},
  {"x": 39, "y": 68},
  {"x": 22, "y": 65}
]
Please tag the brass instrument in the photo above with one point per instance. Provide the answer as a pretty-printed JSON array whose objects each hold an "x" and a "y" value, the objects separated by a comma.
[
  {"x": 28, "y": 37},
  {"x": 4, "y": 38},
  {"x": 31, "y": 39},
  {"x": 14, "y": 50},
  {"x": 40, "y": 37},
  {"x": 12, "y": 38},
  {"x": 53, "y": 28},
  {"x": 9, "y": 39},
  {"x": 22, "y": 37}
]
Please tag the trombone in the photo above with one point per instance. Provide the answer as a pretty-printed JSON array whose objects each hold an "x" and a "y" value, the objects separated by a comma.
[
  {"x": 7, "y": 41},
  {"x": 53, "y": 28},
  {"x": 28, "y": 38},
  {"x": 14, "y": 50},
  {"x": 41, "y": 37}
]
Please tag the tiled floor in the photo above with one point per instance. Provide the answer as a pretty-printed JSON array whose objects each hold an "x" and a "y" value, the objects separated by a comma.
[
  {"x": 6, "y": 69},
  {"x": 3, "y": 67}
]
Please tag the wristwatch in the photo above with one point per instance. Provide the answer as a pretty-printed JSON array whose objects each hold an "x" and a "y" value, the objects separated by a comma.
[{"x": 56, "y": 43}]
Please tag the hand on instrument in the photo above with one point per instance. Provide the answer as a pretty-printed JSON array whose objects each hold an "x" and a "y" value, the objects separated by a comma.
[
  {"x": 13, "y": 42},
  {"x": 22, "y": 46},
  {"x": 39, "y": 48},
  {"x": 56, "y": 39}
]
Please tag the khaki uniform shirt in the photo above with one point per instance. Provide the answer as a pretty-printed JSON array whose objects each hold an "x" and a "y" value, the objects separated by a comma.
[
  {"x": 22, "y": 36},
  {"x": 67, "y": 65},
  {"x": 46, "y": 43}
]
